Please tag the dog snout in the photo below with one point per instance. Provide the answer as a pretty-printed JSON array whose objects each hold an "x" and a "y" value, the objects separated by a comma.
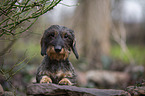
[{"x": 57, "y": 48}]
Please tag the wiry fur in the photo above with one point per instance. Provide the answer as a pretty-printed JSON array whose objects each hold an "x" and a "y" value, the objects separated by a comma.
[{"x": 62, "y": 38}]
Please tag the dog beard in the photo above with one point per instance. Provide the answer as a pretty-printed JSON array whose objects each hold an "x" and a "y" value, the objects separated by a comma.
[{"x": 62, "y": 55}]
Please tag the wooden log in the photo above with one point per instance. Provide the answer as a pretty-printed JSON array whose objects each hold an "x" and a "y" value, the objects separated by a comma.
[
  {"x": 64, "y": 90},
  {"x": 136, "y": 91}
]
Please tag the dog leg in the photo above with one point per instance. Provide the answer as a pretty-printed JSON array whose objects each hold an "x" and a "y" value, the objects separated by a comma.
[
  {"x": 45, "y": 79},
  {"x": 65, "y": 81}
]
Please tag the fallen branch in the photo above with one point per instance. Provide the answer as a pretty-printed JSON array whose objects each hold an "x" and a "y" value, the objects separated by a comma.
[{"x": 64, "y": 90}]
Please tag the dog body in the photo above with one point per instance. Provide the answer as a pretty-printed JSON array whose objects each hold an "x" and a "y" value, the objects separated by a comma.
[{"x": 56, "y": 44}]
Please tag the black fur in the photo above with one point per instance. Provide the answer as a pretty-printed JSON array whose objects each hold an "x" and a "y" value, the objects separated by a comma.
[{"x": 59, "y": 37}]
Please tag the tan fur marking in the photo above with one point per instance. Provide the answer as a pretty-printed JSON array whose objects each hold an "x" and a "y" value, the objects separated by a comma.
[
  {"x": 58, "y": 56},
  {"x": 68, "y": 74},
  {"x": 45, "y": 79},
  {"x": 61, "y": 74},
  {"x": 65, "y": 81}
]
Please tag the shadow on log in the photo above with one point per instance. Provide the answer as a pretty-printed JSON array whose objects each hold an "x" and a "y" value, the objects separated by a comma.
[{"x": 64, "y": 90}]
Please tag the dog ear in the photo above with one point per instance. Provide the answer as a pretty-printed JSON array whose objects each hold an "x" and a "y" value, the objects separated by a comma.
[
  {"x": 74, "y": 49},
  {"x": 43, "y": 47}
]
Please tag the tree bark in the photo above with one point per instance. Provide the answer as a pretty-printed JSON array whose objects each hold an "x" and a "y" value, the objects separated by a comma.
[
  {"x": 64, "y": 90},
  {"x": 92, "y": 23}
]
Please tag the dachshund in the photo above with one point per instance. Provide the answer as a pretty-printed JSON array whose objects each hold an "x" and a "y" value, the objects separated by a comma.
[{"x": 56, "y": 44}]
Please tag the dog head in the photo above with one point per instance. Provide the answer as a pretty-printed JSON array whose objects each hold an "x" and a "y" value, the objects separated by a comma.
[{"x": 57, "y": 42}]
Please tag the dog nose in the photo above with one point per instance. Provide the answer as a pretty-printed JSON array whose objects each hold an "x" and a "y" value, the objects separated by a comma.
[{"x": 57, "y": 49}]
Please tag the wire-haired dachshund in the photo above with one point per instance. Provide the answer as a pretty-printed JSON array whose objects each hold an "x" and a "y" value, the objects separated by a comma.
[{"x": 56, "y": 44}]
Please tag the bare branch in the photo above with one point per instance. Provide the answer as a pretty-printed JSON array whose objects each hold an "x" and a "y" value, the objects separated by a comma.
[
  {"x": 7, "y": 48},
  {"x": 17, "y": 13}
]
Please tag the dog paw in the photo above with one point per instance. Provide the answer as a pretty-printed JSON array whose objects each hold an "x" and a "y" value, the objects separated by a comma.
[
  {"x": 65, "y": 81},
  {"x": 45, "y": 79}
]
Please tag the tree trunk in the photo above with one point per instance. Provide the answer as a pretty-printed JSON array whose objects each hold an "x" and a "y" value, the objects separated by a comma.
[{"x": 92, "y": 22}]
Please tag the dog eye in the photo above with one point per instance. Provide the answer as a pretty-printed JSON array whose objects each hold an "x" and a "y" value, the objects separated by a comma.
[
  {"x": 52, "y": 35},
  {"x": 66, "y": 36}
]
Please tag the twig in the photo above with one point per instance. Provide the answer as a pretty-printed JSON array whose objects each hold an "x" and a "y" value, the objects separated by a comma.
[
  {"x": 4, "y": 51},
  {"x": 24, "y": 13}
]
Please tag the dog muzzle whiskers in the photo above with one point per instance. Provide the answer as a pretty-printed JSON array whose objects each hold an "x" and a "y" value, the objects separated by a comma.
[{"x": 62, "y": 55}]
